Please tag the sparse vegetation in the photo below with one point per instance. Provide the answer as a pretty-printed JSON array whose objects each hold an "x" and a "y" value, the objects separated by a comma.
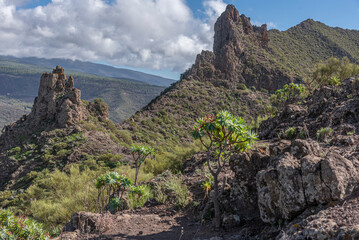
[
  {"x": 324, "y": 133},
  {"x": 332, "y": 72}
]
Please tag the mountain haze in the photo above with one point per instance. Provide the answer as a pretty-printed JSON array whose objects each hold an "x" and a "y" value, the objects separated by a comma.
[{"x": 98, "y": 69}]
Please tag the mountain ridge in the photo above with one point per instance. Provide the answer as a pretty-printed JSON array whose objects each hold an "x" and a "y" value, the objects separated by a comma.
[{"x": 96, "y": 69}]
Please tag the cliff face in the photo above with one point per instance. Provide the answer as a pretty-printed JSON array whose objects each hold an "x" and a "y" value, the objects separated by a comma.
[{"x": 240, "y": 55}]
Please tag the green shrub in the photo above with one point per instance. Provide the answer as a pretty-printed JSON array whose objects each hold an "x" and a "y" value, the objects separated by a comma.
[
  {"x": 20, "y": 227},
  {"x": 302, "y": 135},
  {"x": 15, "y": 154},
  {"x": 290, "y": 133},
  {"x": 242, "y": 86},
  {"x": 111, "y": 160},
  {"x": 323, "y": 134},
  {"x": 53, "y": 198},
  {"x": 159, "y": 193},
  {"x": 139, "y": 195},
  {"x": 125, "y": 136},
  {"x": 180, "y": 190},
  {"x": 332, "y": 72},
  {"x": 170, "y": 189},
  {"x": 115, "y": 204},
  {"x": 290, "y": 93}
]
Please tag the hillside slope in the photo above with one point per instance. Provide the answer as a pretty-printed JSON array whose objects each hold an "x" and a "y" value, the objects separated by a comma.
[{"x": 310, "y": 42}]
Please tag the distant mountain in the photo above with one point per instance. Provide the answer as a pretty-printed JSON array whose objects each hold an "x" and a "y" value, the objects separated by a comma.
[{"x": 97, "y": 69}]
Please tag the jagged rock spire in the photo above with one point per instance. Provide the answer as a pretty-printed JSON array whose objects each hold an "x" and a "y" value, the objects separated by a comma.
[
  {"x": 240, "y": 55},
  {"x": 58, "y": 100},
  {"x": 58, "y": 105}
]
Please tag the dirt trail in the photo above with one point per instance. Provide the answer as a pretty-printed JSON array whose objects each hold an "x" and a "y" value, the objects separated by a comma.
[{"x": 148, "y": 223}]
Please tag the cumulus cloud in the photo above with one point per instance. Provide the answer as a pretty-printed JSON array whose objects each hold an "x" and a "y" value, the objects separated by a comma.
[
  {"x": 270, "y": 25},
  {"x": 153, "y": 34}
]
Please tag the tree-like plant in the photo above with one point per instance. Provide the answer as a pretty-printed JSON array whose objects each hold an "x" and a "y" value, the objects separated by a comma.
[
  {"x": 112, "y": 186},
  {"x": 222, "y": 135},
  {"x": 139, "y": 154}
]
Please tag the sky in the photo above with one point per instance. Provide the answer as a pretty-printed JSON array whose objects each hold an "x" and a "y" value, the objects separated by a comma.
[{"x": 161, "y": 37}]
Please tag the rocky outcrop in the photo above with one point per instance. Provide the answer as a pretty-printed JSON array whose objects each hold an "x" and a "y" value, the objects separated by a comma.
[
  {"x": 58, "y": 113},
  {"x": 57, "y": 101},
  {"x": 333, "y": 221},
  {"x": 289, "y": 178},
  {"x": 240, "y": 55},
  {"x": 58, "y": 105},
  {"x": 282, "y": 178},
  {"x": 330, "y": 106}
]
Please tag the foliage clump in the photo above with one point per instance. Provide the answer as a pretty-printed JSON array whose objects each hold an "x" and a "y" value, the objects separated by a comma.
[
  {"x": 111, "y": 191},
  {"x": 332, "y": 72},
  {"x": 324, "y": 133},
  {"x": 20, "y": 227},
  {"x": 170, "y": 189},
  {"x": 290, "y": 93},
  {"x": 138, "y": 195},
  {"x": 290, "y": 133}
]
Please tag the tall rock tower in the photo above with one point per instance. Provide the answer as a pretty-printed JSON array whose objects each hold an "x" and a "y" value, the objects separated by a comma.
[{"x": 58, "y": 105}]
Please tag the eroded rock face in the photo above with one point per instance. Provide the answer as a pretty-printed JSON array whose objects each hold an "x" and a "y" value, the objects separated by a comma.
[
  {"x": 240, "y": 55},
  {"x": 58, "y": 105},
  {"x": 338, "y": 220},
  {"x": 289, "y": 178},
  {"x": 57, "y": 100}
]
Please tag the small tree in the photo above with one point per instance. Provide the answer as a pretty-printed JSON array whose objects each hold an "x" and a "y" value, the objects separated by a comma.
[
  {"x": 139, "y": 154},
  {"x": 222, "y": 135}
]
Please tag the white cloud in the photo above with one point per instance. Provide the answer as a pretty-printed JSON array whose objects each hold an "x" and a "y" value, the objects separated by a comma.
[
  {"x": 270, "y": 25},
  {"x": 18, "y": 2},
  {"x": 214, "y": 7},
  {"x": 153, "y": 34}
]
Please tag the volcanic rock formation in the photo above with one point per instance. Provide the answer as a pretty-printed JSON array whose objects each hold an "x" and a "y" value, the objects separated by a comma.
[
  {"x": 240, "y": 55},
  {"x": 58, "y": 105}
]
